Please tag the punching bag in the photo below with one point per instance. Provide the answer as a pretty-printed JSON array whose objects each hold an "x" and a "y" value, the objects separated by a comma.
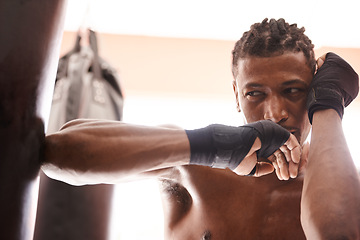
[
  {"x": 30, "y": 37},
  {"x": 86, "y": 87}
]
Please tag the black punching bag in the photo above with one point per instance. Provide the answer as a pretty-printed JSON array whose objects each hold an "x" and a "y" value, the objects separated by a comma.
[{"x": 30, "y": 37}]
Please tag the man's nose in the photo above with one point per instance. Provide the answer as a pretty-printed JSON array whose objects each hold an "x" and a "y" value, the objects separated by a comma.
[{"x": 275, "y": 109}]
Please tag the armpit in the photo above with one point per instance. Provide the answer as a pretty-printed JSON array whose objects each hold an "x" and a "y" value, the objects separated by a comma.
[{"x": 176, "y": 199}]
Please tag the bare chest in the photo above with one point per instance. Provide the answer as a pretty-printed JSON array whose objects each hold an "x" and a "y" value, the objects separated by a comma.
[{"x": 232, "y": 207}]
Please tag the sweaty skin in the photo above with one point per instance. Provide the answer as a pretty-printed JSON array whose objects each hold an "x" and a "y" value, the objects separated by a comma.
[
  {"x": 275, "y": 88},
  {"x": 238, "y": 207},
  {"x": 205, "y": 203}
]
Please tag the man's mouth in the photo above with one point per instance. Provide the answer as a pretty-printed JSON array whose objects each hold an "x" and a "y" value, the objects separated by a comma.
[{"x": 294, "y": 131}]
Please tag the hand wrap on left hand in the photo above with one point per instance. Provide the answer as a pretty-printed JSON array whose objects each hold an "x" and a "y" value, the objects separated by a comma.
[{"x": 334, "y": 86}]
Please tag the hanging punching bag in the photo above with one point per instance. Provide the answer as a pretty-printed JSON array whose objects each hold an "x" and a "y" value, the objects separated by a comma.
[{"x": 86, "y": 87}]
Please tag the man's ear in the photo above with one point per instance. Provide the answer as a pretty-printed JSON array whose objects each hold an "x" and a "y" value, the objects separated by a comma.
[{"x": 235, "y": 88}]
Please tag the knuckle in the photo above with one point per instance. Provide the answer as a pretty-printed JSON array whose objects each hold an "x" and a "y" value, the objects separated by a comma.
[{"x": 282, "y": 163}]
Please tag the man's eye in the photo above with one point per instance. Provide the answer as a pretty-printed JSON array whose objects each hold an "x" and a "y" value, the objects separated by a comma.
[
  {"x": 254, "y": 93},
  {"x": 293, "y": 90}
]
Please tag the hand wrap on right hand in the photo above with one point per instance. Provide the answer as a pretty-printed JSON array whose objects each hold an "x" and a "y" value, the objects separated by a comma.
[
  {"x": 222, "y": 146},
  {"x": 334, "y": 86}
]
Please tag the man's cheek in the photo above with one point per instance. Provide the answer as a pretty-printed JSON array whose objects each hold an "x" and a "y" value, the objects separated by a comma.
[{"x": 252, "y": 116}]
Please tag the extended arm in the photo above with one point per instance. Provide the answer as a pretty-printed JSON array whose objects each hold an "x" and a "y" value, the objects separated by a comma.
[
  {"x": 330, "y": 205},
  {"x": 90, "y": 151}
]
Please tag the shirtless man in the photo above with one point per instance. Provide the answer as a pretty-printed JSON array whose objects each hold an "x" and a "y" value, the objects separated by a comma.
[{"x": 273, "y": 68}]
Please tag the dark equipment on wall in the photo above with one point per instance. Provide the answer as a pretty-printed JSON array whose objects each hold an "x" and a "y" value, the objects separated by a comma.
[{"x": 86, "y": 87}]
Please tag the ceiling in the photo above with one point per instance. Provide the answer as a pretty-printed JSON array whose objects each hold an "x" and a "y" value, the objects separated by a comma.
[{"x": 327, "y": 22}]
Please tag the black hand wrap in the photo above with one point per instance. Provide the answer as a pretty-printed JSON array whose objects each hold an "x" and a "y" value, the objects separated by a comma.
[
  {"x": 334, "y": 86},
  {"x": 222, "y": 146},
  {"x": 272, "y": 136}
]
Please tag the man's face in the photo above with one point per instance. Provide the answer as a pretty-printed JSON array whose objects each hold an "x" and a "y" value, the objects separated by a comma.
[{"x": 275, "y": 88}]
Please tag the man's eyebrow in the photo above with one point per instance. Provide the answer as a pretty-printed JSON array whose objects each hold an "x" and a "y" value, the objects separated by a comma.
[
  {"x": 286, "y": 83},
  {"x": 294, "y": 81},
  {"x": 254, "y": 85}
]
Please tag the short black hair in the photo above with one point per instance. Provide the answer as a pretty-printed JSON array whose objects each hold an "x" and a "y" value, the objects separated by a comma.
[{"x": 273, "y": 38}]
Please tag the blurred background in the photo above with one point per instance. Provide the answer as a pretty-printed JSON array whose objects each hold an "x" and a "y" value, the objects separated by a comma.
[{"x": 174, "y": 62}]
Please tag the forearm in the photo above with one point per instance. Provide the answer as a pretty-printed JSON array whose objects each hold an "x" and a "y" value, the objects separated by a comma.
[
  {"x": 90, "y": 151},
  {"x": 330, "y": 206},
  {"x": 106, "y": 151}
]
